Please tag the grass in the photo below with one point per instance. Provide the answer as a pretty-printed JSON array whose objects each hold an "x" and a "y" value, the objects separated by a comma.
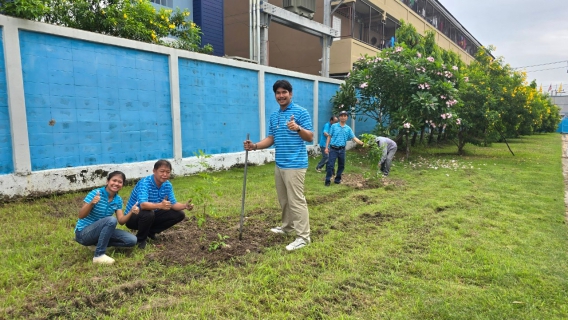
[{"x": 479, "y": 236}]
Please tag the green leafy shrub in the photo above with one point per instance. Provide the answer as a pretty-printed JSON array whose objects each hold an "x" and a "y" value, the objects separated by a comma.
[{"x": 137, "y": 20}]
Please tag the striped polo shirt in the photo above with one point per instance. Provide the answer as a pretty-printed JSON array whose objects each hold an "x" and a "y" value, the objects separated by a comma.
[
  {"x": 101, "y": 210},
  {"x": 146, "y": 190},
  {"x": 340, "y": 135},
  {"x": 291, "y": 152}
]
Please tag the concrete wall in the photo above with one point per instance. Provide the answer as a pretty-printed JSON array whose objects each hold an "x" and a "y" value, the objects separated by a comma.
[
  {"x": 76, "y": 105},
  {"x": 562, "y": 102},
  {"x": 6, "y": 163}
]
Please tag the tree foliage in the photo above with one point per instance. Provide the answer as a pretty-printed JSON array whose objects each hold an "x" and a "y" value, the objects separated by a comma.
[
  {"x": 136, "y": 20},
  {"x": 417, "y": 88}
]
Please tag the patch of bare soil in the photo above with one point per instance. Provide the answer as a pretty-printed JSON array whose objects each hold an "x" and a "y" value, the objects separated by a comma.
[
  {"x": 357, "y": 181},
  {"x": 217, "y": 240},
  {"x": 59, "y": 209}
]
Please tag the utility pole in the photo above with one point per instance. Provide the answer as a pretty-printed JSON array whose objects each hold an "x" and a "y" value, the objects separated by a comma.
[{"x": 326, "y": 40}]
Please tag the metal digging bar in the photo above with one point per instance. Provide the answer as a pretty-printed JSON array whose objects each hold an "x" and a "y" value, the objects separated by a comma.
[{"x": 244, "y": 193}]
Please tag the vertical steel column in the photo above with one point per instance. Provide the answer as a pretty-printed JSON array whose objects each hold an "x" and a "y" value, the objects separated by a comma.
[{"x": 326, "y": 40}]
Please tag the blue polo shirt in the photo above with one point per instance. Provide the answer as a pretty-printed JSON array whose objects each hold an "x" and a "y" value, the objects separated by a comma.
[
  {"x": 101, "y": 210},
  {"x": 146, "y": 190},
  {"x": 291, "y": 152},
  {"x": 323, "y": 138},
  {"x": 340, "y": 135}
]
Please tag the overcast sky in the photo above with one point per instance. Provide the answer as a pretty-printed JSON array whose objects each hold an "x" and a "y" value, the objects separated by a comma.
[{"x": 525, "y": 32}]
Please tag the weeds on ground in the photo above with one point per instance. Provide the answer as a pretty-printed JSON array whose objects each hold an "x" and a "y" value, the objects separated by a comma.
[{"x": 481, "y": 235}]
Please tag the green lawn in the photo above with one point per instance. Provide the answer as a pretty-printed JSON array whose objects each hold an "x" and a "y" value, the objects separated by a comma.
[{"x": 479, "y": 236}]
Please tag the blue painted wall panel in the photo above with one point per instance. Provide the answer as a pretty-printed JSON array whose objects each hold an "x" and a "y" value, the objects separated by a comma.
[
  {"x": 364, "y": 124},
  {"x": 84, "y": 100},
  {"x": 219, "y": 106},
  {"x": 6, "y": 161},
  {"x": 209, "y": 16},
  {"x": 563, "y": 126},
  {"x": 302, "y": 94},
  {"x": 325, "y": 107}
]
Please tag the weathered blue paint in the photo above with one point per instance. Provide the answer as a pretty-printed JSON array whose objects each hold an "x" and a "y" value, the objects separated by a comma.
[
  {"x": 209, "y": 16},
  {"x": 325, "y": 107},
  {"x": 89, "y": 104},
  {"x": 6, "y": 161},
  {"x": 302, "y": 94},
  {"x": 364, "y": 124},
  {"x": 563, "y": 126},
  {"x": 218, "y": 107}
]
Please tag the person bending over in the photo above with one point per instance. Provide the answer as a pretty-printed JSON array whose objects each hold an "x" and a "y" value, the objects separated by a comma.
[{"x": 388, "y": 148}]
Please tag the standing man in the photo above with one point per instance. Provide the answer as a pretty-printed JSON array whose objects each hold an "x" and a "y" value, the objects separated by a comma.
[
  {"x": 159, "y": 209},
  {"x": 388, "y": 148},
  {"x": 323, "y": 140},
  {"x": 289, "y": 129},
  {"x": 339, "y": 134}
]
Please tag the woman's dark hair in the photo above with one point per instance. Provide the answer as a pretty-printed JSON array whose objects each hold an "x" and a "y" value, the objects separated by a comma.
[
  {"x": 282, "y": 84},
  {"x": 162, "y": 163},
  {"x": 116, "y": 173}
]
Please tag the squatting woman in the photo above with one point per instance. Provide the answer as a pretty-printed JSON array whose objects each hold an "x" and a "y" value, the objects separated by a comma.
[{"x": 96, "y": 227}]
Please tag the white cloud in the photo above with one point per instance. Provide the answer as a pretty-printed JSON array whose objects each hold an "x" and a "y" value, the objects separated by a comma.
[{"x": 525, "y": 32}]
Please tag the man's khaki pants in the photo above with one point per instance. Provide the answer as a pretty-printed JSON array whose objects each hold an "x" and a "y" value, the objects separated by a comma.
[{"x": 290, "y": 190}]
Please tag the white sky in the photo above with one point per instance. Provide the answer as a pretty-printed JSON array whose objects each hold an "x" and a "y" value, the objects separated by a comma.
[{"x": 525, "y": 33}]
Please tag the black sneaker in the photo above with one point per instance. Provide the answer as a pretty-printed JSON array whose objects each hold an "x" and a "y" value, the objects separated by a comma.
[
  {"x": 152, "y": 236},
  {"x": 327, "y": 184},
  {"x": 142, "y": 245},
  {"x": 337, "y": 182}
]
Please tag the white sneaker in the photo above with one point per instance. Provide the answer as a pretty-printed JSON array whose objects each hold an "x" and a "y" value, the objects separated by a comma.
[
  {"x": 92, "y": 248},
  {"x": 298, "y": 244},
  {"x": 278, "y": 230},
  {"x": 104, "y": 259}
]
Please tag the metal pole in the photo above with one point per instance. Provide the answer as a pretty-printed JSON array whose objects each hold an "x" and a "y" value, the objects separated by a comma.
[
  {"x": 264, "y": 23},
  {"x": 257, "y": 31},
  {"x": 244, "y": 193},
  {"x": 250, "y": 30},
  {"x": 326, "y": 40}
]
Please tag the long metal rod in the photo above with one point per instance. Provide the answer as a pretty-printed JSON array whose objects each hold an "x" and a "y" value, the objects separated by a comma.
[
  {"x": 250, "y": 30},
  {"x": 244, "y": 193},
  {"x": 257, "y": 13}
]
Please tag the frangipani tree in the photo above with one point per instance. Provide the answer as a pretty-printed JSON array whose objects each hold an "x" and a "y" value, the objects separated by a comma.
[{"x": 406, "y": 91}]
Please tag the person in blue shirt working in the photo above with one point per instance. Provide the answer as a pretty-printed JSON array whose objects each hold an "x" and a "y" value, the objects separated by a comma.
[
  {"x": 339, "y": 134},
  {"x": 159, "y": 209},
  {"x": 289, "y": 129},
  {"x": 322, "y": 141},
  {"x": 96, "y": 227}
]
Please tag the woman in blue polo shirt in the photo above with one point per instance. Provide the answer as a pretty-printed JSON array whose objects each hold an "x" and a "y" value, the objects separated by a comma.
[{"x": 96, "y": 227}]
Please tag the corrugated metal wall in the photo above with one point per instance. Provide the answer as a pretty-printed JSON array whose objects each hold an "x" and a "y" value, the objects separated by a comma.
[{"x": 208, "y": 14}]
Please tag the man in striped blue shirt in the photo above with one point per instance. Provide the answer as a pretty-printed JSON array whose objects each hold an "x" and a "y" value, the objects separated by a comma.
[
  {"x": 159, "y": 209},
  {"x": 339, "y": 134},
  {"x": 323, "y": 140},
  {"x": 289, "y": 129}
]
